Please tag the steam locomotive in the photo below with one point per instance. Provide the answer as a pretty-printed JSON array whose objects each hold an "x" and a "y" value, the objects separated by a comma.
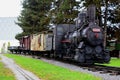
[{"x": 82, "y": 42}]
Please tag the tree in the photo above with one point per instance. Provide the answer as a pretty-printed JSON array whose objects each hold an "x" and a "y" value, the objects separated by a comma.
[
  {"x": 117, "y": 34},
  {"x": 8, "y": 44},
  {"x": 65, "y": 11},
  {"x": 114, "y": 12},
  {"x": 113, "y": 19},
  {"x": 34, "y": 16},
  {"x": 3, "y": 48}
]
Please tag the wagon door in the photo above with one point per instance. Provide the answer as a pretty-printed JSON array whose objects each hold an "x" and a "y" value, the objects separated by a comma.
[{"x": 48, "y": 42}]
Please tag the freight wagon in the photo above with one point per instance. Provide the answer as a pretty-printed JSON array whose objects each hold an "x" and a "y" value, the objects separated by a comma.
[
  {"x": 48, "y": 42},
  {"x": 36, "y": 44}
]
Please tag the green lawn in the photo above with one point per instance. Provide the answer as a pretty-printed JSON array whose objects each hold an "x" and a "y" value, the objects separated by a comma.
[
  {"x": 115, "y": 62},
  {"x": 5, "y": 73},
  {"x": 47, "y": 71}
]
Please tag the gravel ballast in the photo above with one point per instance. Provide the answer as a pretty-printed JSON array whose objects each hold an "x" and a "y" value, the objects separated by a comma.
[{"x": 104, "y": 76}]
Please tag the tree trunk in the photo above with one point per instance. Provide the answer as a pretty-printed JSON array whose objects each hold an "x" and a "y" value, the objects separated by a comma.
[
  {"x": 105, "y": 23},
  {"x": 100, "y": 17}
]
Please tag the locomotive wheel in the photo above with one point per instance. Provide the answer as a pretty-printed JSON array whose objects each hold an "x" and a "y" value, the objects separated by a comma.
[{"x": 81, "y": 58}]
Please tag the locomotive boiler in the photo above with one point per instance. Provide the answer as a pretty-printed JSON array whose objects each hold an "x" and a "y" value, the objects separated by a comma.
[{"x": 82, "y": 42}]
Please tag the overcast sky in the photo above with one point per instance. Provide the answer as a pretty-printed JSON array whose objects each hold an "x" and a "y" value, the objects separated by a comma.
[
  {"x": 8, "y": 28},
  {"x": 11, "y": 9}
]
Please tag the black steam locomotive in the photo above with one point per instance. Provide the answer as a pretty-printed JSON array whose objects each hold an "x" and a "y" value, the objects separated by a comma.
[{"x": 82, "y": 42}]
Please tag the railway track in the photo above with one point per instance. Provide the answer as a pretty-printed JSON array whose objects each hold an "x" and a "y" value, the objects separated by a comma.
[
  {"x": 20, "y": 73},
  {"x": 24, "y": 74},
  {"x": 95, "y": 67},
  {"x": 103, "y": 69},
  {"x": 98, "y": 68}
]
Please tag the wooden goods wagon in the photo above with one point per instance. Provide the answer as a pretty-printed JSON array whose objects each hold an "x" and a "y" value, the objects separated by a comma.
[
  {"x": 41, "y": 42},
  {"x": 25, "y": 43}
]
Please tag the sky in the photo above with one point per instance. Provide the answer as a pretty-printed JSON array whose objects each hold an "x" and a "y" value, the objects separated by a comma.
[
  {"x": 10, "y": 8},
  {"x": 9, "y": 11},
  {"x": 8, "y": 28}
]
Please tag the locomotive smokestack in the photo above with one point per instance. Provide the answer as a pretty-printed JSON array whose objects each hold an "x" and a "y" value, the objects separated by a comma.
[{"x": 91, "y": 13}]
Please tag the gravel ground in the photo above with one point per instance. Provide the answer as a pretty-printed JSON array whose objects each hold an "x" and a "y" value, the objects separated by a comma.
[
  {"x": 104, "y": 76},
  {"x": 20, "y": 73}
]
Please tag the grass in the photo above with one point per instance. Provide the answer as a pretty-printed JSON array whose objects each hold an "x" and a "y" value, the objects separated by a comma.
[
  {"x": 47, "y": 71},
  {"x": 115, "y": 62},
  {"x": 5, "y": 73}
]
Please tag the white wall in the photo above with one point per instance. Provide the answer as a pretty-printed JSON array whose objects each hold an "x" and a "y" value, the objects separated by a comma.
[{"x": 12, "y": 43}]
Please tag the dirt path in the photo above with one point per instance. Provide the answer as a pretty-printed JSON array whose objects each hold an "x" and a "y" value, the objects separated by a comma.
[{"x": 20, "y": 73}]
